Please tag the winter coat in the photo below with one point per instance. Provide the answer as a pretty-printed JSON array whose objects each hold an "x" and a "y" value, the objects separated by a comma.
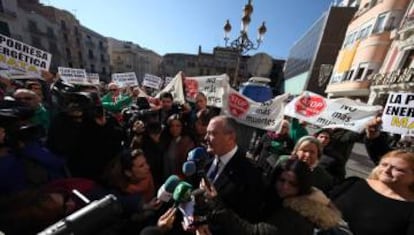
[{"x": 298, "y": 215}]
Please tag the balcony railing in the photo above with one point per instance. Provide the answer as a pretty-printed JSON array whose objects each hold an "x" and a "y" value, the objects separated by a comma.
[{"x": 397, "y": 76}]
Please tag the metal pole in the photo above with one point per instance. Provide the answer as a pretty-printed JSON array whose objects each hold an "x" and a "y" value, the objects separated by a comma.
[{"x": 236, "y": 71}]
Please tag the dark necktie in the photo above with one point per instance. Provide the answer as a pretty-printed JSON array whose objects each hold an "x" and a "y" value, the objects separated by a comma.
[{"x": 212, "y": 175}]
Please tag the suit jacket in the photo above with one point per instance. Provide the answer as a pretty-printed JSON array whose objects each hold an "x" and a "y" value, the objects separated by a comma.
[{"x": 240, "y": 187}]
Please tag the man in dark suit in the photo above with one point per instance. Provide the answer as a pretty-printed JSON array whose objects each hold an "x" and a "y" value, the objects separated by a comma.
[{"x": 236, "y": 180}]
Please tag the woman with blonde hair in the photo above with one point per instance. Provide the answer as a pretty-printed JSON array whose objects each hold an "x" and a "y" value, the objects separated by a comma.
[{"x": 383, "y": 204}]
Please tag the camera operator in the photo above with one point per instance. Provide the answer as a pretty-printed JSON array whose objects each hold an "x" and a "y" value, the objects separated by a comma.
[{"x": 83, "y": 134}]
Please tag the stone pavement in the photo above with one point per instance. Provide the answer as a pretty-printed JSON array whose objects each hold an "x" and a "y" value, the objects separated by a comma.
[{"x": 359, "y": 163}]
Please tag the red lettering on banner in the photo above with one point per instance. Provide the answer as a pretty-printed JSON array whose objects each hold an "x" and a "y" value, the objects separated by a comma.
[
  {"x": 310, "y": 105},
  {"x": 191, "y": 88},
  {"x": 238, "y": 105}
]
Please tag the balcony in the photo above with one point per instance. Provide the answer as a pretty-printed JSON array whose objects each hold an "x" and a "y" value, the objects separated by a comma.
[{"x": 349, "y": 88}]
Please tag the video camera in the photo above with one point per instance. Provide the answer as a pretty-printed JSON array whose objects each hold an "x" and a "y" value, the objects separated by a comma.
[
  {"x": 68, "y": 97},
  {"x": 88, "y": 220}
]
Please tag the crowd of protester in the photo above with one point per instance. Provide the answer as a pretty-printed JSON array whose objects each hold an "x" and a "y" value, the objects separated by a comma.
[{"x": 105, "y": 140}]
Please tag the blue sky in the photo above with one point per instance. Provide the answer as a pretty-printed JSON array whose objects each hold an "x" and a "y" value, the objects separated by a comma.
[{"x": 180, "y": 26}]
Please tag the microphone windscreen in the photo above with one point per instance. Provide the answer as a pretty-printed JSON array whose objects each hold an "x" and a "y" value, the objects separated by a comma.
[
  {"x": 197, "y": 154},
  {"x": 163, "y": 195},
  {"x": 182, "y": 192},
  {"x": 189, "y": 168},
  {"x": 171, "y": 183}
]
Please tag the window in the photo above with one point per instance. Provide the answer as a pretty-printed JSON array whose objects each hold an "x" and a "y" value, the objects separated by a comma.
[
  {"x": 101, "y": 45},
  {"x": 63, "y": 24},
  {"x": 90, "y": 54},
  {"x": 359, "y": 74},
  {"x": 53, "y": 47},
  {"x": 4, "y": 28},
  {"x": 32, "y": 25},
  {"x": 103, "y": 70},
  {"x": 70, "y": 65},
  {"x": 68, "y": 53},
  {"x": 36, "y": 42},
  {"x": 80, "y": 55},
  {"x": 102, "y": 58},
  {"x": 65, "y": 36},
  {"x": 349, "y": 75},
  {"x": 380, "y": 24},
  {"x": 93, "y": 68}
]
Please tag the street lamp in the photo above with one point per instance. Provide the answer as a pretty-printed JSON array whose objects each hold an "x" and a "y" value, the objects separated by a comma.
[{"x": 243, "y": 44}]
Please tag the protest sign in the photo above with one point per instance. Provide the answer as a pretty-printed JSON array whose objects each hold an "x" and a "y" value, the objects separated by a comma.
[
  {"x": 398, "y": 115},
  {"x": 331, "y": 113},
  {"x": 21, "y": 57},
  {"x": 73, "y": 76},
  {"x": 265, "y": 115},
  {"x": 167, "y": 81},
  {"x": 125, "y": 79},
  {"x": 152, "y": 81},
  {"x": 175, "y": 87},
  {"x": 92, "y": 79},
  {"x": 213, "y": 87}
]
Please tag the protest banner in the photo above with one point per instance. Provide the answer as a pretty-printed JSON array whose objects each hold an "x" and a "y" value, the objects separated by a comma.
[
  {"x": 175, "y": 87},
  {"x": 213, "y": 87},
  {"x": 263, "y": 115},
  {"x": 167, "y": 81},
  {"x": 92, "y": 79},
  {"x": 331, "y": 113},
  {"x": 152, "y": 81},
  {"x": 125, "y": 79},
  {"x": 73, "y": 76},
  {"x": 398, "y": 115},
  {"x": 20, "y": 57}
]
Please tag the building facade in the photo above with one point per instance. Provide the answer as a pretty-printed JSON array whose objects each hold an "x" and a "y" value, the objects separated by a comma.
[
  {"x": 57, "y": 32},
  {"x": 397, "y": 71},
  {"x": 224, "y": 60},
  {"x": 129, "y": 57},
  {"x": 365, "y": 47},
  {"x": 312, "y": 57}
]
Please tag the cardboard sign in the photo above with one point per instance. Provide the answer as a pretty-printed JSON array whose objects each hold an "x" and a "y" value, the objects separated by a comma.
[
  {"x": 398, "y": 115},
  {"x": 125, "y": 79},
  {"x": 213, "y": 87},
  {"x": 21, "y": 57},
  {"x": 266, "y": 115},
  {"x": 331, "y": 113},
  {"x": 152, "y": 81},
  {"x": 92, "y": 78},
  {"x": 73, "y": 76}
]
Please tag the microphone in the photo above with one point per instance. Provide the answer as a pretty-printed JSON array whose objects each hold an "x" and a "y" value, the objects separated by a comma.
[
  {"x": 182, "y": 193},
  {"x": 197, "y": 160},
  {"x": 189, "y": 168},
  {"x": 165, "y": 192}
]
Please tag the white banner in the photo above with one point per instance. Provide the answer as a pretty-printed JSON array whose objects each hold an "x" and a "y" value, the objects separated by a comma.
[
  {"x": 398, "y": 116},
  {"x": 213, "y": 87},
  {"x": 266, "y": 115},
  {"x": 167, "y": 80},
  {"x": 18, "y": 56},
  {"x": 152, "y": 81},
  {"x": 73, "y": 76},
  {"x": 92, "y": 78},
  {"x": 125, "y": 79},
  {"x": 175, "y": 87},
  {"x": 331, "y": 113}
]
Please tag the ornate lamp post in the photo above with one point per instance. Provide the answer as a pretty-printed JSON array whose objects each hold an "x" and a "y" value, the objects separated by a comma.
[{"x": 243, "y": 44}]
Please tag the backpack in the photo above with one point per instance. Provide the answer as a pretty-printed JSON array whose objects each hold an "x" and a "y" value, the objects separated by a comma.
[{"x": 341, "y": 229}]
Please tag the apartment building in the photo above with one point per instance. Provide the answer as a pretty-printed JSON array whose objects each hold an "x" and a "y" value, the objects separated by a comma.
[{"x": 367, "y": 41}]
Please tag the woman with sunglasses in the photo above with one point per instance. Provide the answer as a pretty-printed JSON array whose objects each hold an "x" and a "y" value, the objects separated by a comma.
[{"x": 294, "y": 206}]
